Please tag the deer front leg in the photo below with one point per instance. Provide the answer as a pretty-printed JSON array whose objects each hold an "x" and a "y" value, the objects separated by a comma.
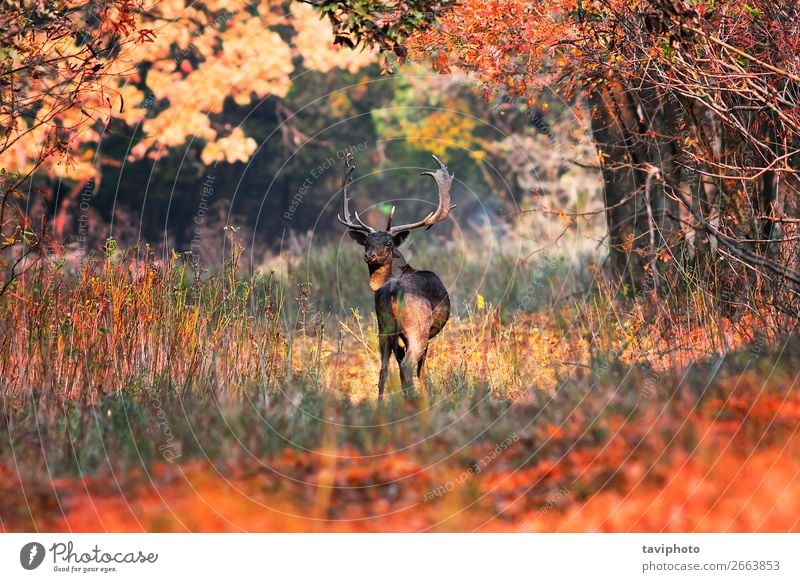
[{"x": 386, "y": 344}]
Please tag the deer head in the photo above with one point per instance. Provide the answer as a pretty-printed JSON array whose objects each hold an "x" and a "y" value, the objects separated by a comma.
[{"x": 379, "y": 245}]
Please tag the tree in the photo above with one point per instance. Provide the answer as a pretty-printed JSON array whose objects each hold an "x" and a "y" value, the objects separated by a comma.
[
  {"x": 58, "y": 80},
  {"x": 69, "y": 65},
  {"x": 694, "y": 111},
  {"x": 381, "y": 24},
  {"x": 80, "y": 101},
  {"x": 174, "y": 92}
]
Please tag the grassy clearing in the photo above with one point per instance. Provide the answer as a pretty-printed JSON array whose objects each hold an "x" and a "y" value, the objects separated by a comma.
[{"x": 136, "y": 398}]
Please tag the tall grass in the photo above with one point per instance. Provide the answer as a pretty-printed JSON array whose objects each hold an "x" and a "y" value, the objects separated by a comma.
[{"x": 128, "y": 364}]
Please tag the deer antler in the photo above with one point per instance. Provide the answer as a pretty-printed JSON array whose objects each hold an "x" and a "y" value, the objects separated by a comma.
[
  {"x": 443, "y": 181},
  {"x": 344, "y": 218}
]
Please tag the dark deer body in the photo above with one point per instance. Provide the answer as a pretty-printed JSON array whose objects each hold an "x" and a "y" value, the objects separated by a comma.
[{"x": 412, "y": 306}]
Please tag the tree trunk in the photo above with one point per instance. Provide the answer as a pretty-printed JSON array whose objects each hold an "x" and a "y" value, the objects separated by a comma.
[{"x": 635, "y": 134}]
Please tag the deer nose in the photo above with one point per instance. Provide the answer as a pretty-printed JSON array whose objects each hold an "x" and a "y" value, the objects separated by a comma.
[{"x": 370, "y": 255}]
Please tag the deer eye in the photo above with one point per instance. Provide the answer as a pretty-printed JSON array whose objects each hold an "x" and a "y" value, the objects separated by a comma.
[{"x": 387, "y": 244}]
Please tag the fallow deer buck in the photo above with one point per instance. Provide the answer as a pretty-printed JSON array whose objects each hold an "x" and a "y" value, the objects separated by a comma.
[{"x": 412, "y": 306}]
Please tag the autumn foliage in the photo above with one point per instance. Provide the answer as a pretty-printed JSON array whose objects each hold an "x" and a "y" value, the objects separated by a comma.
[
  {"x": 172, "y": 66},
  {"x": 695, "y": 115}
]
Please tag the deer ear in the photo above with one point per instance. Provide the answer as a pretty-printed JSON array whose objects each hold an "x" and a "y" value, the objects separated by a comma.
[
  {"x": 400, "y": 237},
  {"x": 358, "y": 236}
]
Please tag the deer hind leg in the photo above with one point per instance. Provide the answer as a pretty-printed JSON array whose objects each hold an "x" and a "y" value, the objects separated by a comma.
[
  {"x": 399, "y": 349},
  {"x": 406, "y": 375},
  {"x": 421, "y": 367},
  {"x": 410, "y": 366}
]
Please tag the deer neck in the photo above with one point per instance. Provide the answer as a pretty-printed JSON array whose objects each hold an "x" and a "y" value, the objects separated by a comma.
[{"x": 379, "y": 275}]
